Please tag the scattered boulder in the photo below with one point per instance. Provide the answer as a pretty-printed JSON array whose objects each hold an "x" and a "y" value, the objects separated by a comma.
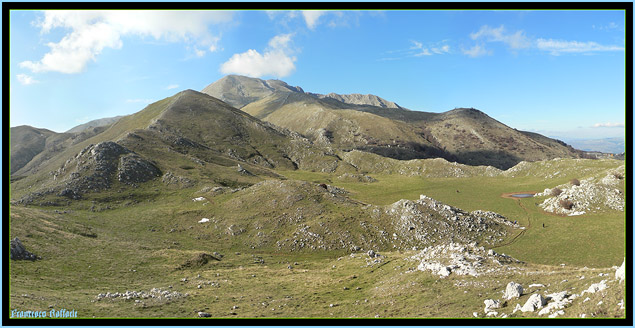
[
  {"x": 19, "y": 252},
  {"x": 513, "y": 290},
  {"x": 204, "y": 315},
  {"x": 535, "y": 301}
]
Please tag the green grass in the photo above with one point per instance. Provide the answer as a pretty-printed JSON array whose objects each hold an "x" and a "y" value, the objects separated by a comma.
[{"x": 86, "y": 252}]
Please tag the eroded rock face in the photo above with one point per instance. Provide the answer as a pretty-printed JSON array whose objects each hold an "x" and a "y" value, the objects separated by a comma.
[
  {"x": 134, "y": 169},
  {"x": 19, "y": 252}
]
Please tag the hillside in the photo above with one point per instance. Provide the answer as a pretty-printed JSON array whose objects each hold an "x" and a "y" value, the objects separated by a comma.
[
  {"x": 187, "y": 138},
  {"x": 370, "y": 123}
]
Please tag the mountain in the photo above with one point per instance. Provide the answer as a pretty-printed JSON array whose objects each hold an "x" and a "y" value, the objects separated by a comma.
[
  {"x": 359, "y": 99},
  {"x": 94, "y": 124},
  {"x": 239, "y": 91},
  {"x": 185, "y": 138},
  {"x": 372, "y": 124}
]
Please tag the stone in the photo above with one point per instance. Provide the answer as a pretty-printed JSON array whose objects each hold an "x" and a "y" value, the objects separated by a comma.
[
  {"x": 619, "y": 273},
  {"x": 491, "y": 304},
  {"x": 594, "y": 288},
  {"x": 513, "y": 290},
  {"x": 204, "y": 315},
  {"x": 535, "y": 301},
  {"x": 19, "y": 252}
]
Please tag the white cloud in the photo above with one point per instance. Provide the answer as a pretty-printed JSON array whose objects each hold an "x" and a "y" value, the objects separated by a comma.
[
  {"x": 171, "y": 86},
  {"x": 91, "y": 31},
  {"x": 556, "y": 47},
  {"x": 424, "y": 51},
  {"x": 517, "y": 40},
  {"x": 311, "y": 17},
  {"x": 476, "y": 51},
  {"x": 608, "y": 125},
  {"x": 26, "y": 79},
  {"x": 277, "y": 60}
]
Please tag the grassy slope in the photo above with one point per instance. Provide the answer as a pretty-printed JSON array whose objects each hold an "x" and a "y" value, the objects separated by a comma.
[{"x": 86, "y": 253}]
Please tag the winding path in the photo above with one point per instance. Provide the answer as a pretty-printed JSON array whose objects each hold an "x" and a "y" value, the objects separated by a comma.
[{"x": 522, "y": 232}]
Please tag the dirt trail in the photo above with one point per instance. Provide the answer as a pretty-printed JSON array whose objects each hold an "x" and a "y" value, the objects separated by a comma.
[{"x": 522, "y": 232}]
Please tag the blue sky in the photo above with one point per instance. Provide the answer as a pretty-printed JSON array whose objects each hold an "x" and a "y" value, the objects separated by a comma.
[{"x": 559, "y": 73}]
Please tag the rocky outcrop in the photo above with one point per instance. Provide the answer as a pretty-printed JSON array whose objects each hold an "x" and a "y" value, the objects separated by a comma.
[
  {"x": 591, "y": 195},
  {"x": 134, "y": 169},
  {"x": 19, "y": 252},
  {"x": 458, "y": 259},
  {"x": 96, "y": 167},
  {"x": 171, "y": 179}
]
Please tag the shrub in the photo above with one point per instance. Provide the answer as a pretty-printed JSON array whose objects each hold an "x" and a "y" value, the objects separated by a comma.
[
  {"x": 556, "y": 192},
  {"x": 566, "y": 204},
  {"x": 575, "y": 182}
]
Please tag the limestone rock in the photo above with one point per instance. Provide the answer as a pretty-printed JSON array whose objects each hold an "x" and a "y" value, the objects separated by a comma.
[
  {"x": 535, "y": 301},
  {"x": 513, "y": 290},
  {"x": 619, "y": 273}
]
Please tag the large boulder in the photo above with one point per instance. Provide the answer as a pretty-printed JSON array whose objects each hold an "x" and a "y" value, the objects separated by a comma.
[
  {"x": 513, "y": 290},
  {"x": 19, "y": 252},
  {"x": 535, "y": 301}
]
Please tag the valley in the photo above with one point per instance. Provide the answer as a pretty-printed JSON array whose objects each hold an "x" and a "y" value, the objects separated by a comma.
[{"x": 255, "y": 199}]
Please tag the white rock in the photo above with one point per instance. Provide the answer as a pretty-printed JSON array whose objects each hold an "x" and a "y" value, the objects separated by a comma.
[
  {"x": 557, "y": 313},
  {"x": 203, "y": 220},
  {"x": 491, "y": 304},
  {"x": 536, "y": 285},
  {"x": 535, "y": 301},
  {"x": 517, "y": 308},
  {"x": 198, "y": 199},
  {"x": 513, "y": 290},
  {"x": 619, "y": 273},
  {"x": 594, "y": 288}
]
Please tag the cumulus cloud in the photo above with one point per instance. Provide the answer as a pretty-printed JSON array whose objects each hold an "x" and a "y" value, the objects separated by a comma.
[
  {"x": 311, "y": 17},
  {"x": 556, "y": 47},
  {"x": 91, "y": 31},
  {"x": 277, "y": 60},
  {"x": 608, "y": 125},
  {"x": 26, "y": 79}
]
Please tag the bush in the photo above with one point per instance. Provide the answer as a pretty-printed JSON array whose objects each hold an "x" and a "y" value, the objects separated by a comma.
[
  {"x": 556, "y": 192},
  {"x": 575, "y": 182},
  {"x": 566, "y": 204}
]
